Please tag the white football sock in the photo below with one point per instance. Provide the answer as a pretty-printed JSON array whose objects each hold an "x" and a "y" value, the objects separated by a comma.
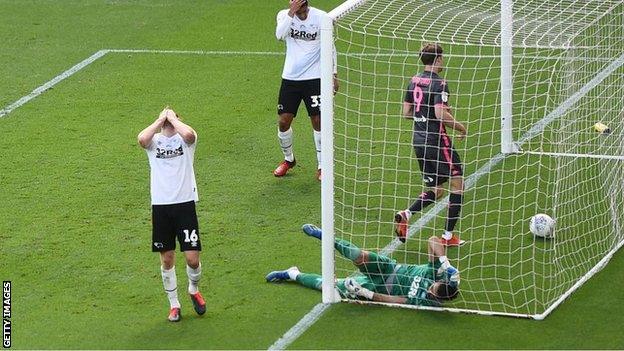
[
  {"x": 317, "y": 143},
  {"x": 286, "y": 142},
  {"x": 194, "y": 274},
  {"x": 170, "y": 284},
  {"x": 293, "y": 272},
  {"x": 447, "y": 235}
]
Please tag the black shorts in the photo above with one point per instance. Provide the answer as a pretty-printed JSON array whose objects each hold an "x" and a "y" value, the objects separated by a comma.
[
  {"x": 438, "y": 163},
  {"x": 175, "y": 221},
  {"x": 293, "y": 91}
]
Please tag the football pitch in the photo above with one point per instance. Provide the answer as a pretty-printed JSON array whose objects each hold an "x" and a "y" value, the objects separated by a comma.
[{"x": 75, "y": 228}]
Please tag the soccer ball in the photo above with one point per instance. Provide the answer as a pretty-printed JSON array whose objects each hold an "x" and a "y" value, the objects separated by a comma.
[{"x": 542, "y": 225}]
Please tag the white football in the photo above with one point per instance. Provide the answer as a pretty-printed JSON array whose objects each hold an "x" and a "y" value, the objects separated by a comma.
[{"x": 542, "y": 225}]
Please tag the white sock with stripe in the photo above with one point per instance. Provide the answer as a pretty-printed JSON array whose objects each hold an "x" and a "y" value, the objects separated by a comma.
[
  {"x": 194, "y": 274},
  {"x": 286, "y": 142},
  {"x": 170, "y": 283}
]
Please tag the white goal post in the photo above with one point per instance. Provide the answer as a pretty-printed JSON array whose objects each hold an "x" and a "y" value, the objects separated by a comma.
[{"x": 532, "y": 81}]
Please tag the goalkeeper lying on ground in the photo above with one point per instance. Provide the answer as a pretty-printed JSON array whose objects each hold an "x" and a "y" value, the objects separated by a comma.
[{"x": 382, "y": 279}]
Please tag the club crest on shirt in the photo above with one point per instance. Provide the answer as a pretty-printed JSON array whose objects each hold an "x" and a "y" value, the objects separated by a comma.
[{"x": 444, "y": 95}]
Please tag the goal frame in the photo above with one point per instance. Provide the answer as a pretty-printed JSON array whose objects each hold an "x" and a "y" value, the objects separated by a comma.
[{"x": 509, "y": 147}]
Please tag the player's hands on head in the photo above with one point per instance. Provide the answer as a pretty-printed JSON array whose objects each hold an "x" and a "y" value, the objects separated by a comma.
[
  {"x": 295, "y": 5},
  {"x": 171, "y": 115},
  {"x": 163, "y": 114}
]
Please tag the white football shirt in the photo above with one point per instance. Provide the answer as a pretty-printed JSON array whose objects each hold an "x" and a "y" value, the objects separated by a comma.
[
  {"x": 303, "y": 44},
  {"x": 172, "y": 177}
]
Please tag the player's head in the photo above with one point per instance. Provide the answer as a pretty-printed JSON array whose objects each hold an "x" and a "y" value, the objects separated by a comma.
[
  {"x": 431, "y": 55},
  {"x": 167, "y": 126},
  {"x": 442, "y": 291},
  {"x": 304, "y": 7}
]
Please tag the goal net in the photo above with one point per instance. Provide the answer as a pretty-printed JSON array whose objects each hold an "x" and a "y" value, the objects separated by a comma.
[{"x": 566, "y": 73}]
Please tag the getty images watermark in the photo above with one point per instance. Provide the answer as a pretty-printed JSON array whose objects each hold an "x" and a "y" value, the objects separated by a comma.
[{"x": 6, "y": 314}]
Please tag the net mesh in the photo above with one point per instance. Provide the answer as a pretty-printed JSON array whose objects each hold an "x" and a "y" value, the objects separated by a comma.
[{"x": 567, "y": 75}]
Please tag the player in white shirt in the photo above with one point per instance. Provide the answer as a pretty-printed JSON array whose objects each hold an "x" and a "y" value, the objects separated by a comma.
[
  {"x": 299, "y": 26},
  {"x": 170, "y": 147}
]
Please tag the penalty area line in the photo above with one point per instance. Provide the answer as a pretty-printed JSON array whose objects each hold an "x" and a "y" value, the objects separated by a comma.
[
  {"x": 54, "y": 81},
  {"x": 89, "y": 60},
  {"x": 197, "y": 52}
]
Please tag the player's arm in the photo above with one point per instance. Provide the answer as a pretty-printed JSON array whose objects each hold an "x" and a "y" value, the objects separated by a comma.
[
  {"x": 335, "y": 80},
  {"x": 443, "y": 113},
  {"x": 408, "y": 110},
  {"x": 285, "y": 18},
  {"x": 355, "y": 288},
  {"x": 408, "y": 102},
  {"x": 389, "y": 298},
  {"x": 147, "y": 134},
  {"x": 186, "y": 132}
]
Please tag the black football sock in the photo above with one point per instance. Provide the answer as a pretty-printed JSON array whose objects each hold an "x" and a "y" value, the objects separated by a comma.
[
  {"x": 454, "y": 209},
  {"x": 425, "y": 199}
]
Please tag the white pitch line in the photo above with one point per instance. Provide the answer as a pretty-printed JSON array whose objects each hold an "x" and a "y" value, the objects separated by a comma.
[
  {"x": 197, "y": 52},
  {"x": 40, "y": 90},
  {"x": 295, "y": 332}
]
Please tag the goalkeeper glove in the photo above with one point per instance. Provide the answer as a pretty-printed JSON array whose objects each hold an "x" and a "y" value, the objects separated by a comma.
[
  {"x": 356, "y": 289},
  {"x": 453, "y": 275}
]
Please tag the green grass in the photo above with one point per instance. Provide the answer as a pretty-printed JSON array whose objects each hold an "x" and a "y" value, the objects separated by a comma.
[{"x": 75, "y": 227}]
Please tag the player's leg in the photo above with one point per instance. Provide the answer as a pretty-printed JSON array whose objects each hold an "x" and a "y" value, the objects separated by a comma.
[
  {"x": 312, "y": 101},
  {"x": 370, "y": 263},
  {"x": 375, "y": 266},
  {"x": 163, "y": 241},
  {"x": 312, "y": 281},
  {"x": 455, "y": 203},
  {"x": 436, "y": 249},
  {"x": 190, "y": 244},
  {"x": 316, "y": 129},
  {"x": 194, "y": 272},
  {"x": 427, "y": 157},
  {"x": 454, "y": 170},
  {"x": 346, "y": 248},
  {"x": 287, "y": 106},
  {"x": 170, "y": 284}
]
